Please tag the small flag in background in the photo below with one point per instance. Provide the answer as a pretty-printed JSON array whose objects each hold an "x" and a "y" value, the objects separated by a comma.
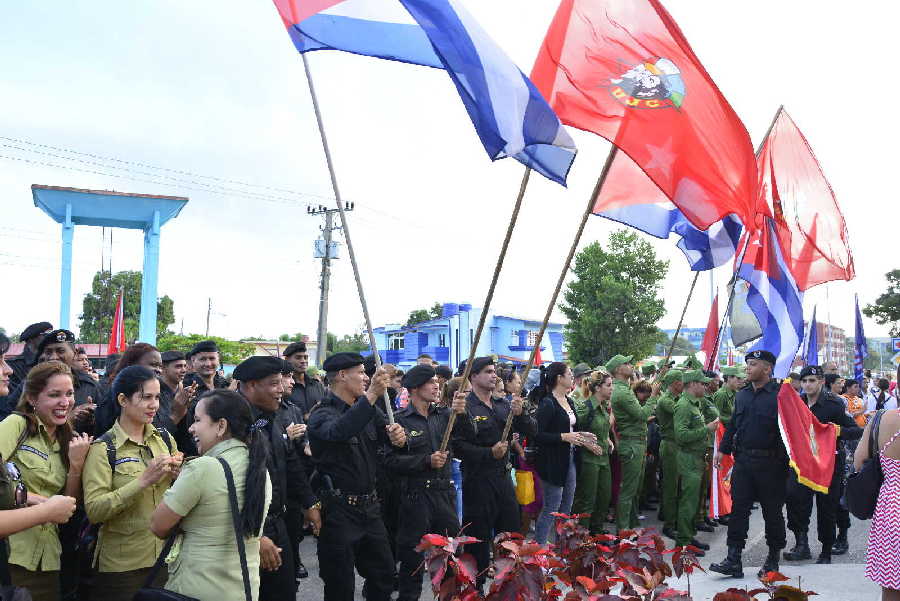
[
  {"x": 711, "y": 336},
  {"x": 862, "y": 347},
  {"x": 623, "y": 70},
  {"x": 117, "y": 343},
  {"x": 810, "y": 444},
  {"x": 509, "y": 114},
  {"x": 720, "y": 491},
  {"x": 812, "y": 342}
]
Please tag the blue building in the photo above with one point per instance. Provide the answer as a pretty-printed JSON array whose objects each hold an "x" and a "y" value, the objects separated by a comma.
[{"x": 449, "y": 338}]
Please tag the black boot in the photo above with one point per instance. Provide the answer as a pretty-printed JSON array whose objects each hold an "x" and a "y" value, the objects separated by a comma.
[
  {"x": 704, "y": 527},
  {"x": 801, "y": 549},
  {"x": 699, "y": 545},
  {"x": 723, "y": 520},
  {"x": 825, "y": 555},
  {"x": 771, "y": 564},
  {"x": 731, "y": 566},
  {"x": 841, "y": 545},
  {"x": 302, "y": 572},
  {"x": 669, "y": 532}
]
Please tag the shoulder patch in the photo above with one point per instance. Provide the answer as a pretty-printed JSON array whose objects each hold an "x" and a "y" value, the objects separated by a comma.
[
  {"x": 31, "y": 449},
  {"x": 122, "y": 460}
]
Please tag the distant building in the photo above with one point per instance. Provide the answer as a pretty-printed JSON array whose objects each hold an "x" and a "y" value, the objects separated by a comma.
[
  {"x": 275, "y": 348},
  {"x": 695, "y": 337},
  {"x": 832, "y": 346},
  {"x": 448, "y": 339}
]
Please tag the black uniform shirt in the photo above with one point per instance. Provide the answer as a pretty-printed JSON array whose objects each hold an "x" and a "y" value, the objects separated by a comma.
[
  {"x": 345, "y": 440},
  {"x": 828, "y": 408},
  {"x": 475, "y": 451},
  {"x": 423, "y": 437},
  {"x": 754, "y": 424},
  {"x": 306, "y": 395},
  {"x": 184, "y": 438}
]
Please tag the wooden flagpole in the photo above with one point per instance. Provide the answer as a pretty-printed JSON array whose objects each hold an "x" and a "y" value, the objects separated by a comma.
[
  {"x": 588, "y": 210},
  {"x": 487, "y": 302},
  {"x": 345, "y": 226}
]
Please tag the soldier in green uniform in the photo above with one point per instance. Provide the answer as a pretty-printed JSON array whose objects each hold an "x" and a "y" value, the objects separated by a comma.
[
  {"x": 631, "y": 425},
  {"x": 668, "y": 451},
  {"x": 690, "y": 435},
  {"x": 710, "y": 413},
  {"x": 594, "y": 489}
]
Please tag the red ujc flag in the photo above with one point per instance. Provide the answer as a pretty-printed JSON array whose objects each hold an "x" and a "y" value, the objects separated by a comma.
[
  {"x": 117, "y": 342},
  {"x": 810, "y": 444},
  {"x": 720, "y": 491},
  {"x": 622, "y": 69}
]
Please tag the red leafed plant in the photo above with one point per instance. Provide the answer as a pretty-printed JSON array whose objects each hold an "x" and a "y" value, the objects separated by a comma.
[{"x": 771, "y": 586}]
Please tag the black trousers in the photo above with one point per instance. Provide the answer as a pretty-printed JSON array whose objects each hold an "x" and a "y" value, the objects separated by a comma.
[
  {"x": 759, "y": 479},
  {"x": 354, "y": 536},
  {"x": 800, "y": 502},
  {"x": 424, "y": 512},
  {"x": 280, "y": 584},
  {"x": 293, "y": 521},
  {"x": 489, "y": 508}
]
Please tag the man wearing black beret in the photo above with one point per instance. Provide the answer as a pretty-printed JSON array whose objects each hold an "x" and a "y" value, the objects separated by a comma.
[
  {"x": 306, "y": 392},
  {"x": 760, "y": 465},
  {"x": 827, "y": 408},
  {"x": 205, "y": 365},
  {"x": 260, "y": 383},
  {"x": 428, "y": 497},
  {"x": 489, "y": 500},
  {"x": 346, "y": 432},
  {"x": 31, "y": 336}
]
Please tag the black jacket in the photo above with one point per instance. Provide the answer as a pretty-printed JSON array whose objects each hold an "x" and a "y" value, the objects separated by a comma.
[
  {"x": 307, "y": 395},
  {"x": 553, "y": 454},
  {"x": 423, "y": 437},
  {"x": 754, "y": 424},
  {"x": 475, "y": 450}
]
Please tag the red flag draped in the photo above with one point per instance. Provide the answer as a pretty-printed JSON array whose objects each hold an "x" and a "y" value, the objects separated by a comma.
[
  {"x": 711, "y": 336},
  {"x": 623, "y": 70},
  {"x": 810, "y": 444},
  {"x": 720, "y": 491},
  {"x": 793, "y": 190},
  {"x": 117, "y": 342}
]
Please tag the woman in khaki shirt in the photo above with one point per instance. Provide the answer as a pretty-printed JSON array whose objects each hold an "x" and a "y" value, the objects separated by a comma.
[
  {"x": 122, "y": 496},
  {"x": 204, "y": 563},
  {"x": 39, "y": 440}
]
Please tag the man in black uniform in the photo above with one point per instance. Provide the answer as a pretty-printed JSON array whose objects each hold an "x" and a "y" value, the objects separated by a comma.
[
  {"x": 260, "y": 383},
  {"x": 201, "y": 362},
  {"x": 489, "y": 499},
  {"x": 760, "y": 465},
  {"x": 427, "y": 495},
  {"x": 345, "y": 432},
  {"x": 32, "y": 337},
  {"x": 827, "y": 408},
  {"x": 306, "y": 392}
]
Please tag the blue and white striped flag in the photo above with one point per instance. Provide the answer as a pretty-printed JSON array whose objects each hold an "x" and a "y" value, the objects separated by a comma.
[{"x": 510, "y": 115}]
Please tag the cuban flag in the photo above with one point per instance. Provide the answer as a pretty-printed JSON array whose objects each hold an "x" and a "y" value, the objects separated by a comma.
[
  {"x": 631, "y": 198},
  {"x": 510, "y": 115},
  {"x": 773, "y": 297}
]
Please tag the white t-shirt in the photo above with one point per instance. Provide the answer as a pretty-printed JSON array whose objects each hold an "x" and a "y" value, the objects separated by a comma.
[{"x": 890, "y": 401}]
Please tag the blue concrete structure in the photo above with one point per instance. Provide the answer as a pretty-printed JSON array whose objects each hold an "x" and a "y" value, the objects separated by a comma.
[
  {"x": 449, "y": 338},
  {"x": 104, "y": 208}
]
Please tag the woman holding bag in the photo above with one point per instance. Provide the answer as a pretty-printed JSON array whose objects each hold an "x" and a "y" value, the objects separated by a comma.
[{"x": 207, "y": 562}]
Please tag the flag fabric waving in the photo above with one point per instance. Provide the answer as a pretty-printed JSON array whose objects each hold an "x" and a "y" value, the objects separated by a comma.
[
  {"x": 622, "y": 69},
  {"x": 812, "y": 342},
  {"x": 631, "y": 198},
  {"x": 810, "y": 444},
  {"x": 720, "y": 491},
  {"x": 710, "y": 344},
  {"x": 862, "y": 347},
  {"x": 117, "y": 343},
  {"x": 773, "y": 297},
  {"x": 793, "y": 190},
  {"x": 510, "y": 115}
]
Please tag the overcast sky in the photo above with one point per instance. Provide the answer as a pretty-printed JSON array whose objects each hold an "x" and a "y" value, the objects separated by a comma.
[{"x": 216, "y": 89}]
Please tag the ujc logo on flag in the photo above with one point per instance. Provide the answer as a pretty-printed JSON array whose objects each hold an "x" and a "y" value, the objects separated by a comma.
[{"x": 650, "y": 85}]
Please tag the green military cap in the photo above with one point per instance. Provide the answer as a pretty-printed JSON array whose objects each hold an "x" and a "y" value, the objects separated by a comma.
[
  {"x": 733, "y": 371},
  {"x": 673, "y": 375},
  {"x": 581, "y": 369},
  {"x": 695, "y": 375},
  {"x": 648, "y": 369},
  {"x": 616, "y": 361}
]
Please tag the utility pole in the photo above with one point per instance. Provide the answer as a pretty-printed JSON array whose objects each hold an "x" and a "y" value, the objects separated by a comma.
[
  {"x": 208, "y": 312},
  {"x": 326, "y": 250}
]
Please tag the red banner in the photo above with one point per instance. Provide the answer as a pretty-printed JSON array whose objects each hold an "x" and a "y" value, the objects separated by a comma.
[
  {"x": 720, "y": 491},
  {"x": 710, "y": 344},
  {"x": 117, "y": 342},
  {"x": 810, "y": 444}
]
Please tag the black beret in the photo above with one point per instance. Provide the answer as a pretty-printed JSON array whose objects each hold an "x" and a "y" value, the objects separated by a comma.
[
  {"x": 55, "y": 337},
  {"x": 461, "y": 368},
  {"x": 479, "y": 363},
  {"x": 294, "y": 347},
  {"x": 35, "y": 329},
  {"x": 812, "y": 370},
  {"x": 205, "y": 346},
  {"x": 257, "y": 368},
  {"x": 369, "y": 365},
  {"x": 169, "y": 356},
  {"x": 443, "y": 371},
  {"x": 339, "y": 361},
  {"x": 417, "y": 376},
  {"x": 762, "y": 356}
]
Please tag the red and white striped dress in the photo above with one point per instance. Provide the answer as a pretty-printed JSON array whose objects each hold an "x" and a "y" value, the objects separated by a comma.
[{"x": 883, "y": 554}]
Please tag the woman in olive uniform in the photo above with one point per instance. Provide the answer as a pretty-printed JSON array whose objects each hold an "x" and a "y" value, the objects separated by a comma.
[
  {"x": 126, "y": 473},
  {"x": 39, "y": 440},
  {"x": 594, "y": 489}
]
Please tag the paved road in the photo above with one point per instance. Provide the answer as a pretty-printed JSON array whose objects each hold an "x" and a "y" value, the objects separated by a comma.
[{"x": 841, "y": 581}]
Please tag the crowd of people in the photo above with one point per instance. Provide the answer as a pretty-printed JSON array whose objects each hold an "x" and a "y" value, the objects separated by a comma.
[{"x": 163, "y": 472}]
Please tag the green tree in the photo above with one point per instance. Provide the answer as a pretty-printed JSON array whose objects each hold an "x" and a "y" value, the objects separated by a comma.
[
  {"x": 612, "y": 304},
  {"x": 420, "y": 315},
  {"x": 348, "y": 343},
  {"x": 298, "y": 337},
  {"x": 230, "y": 352},
  {"x": 99, "y": 307},
  {"x": 886, "y": 309},
  {"x": 682, "y": 346}
]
